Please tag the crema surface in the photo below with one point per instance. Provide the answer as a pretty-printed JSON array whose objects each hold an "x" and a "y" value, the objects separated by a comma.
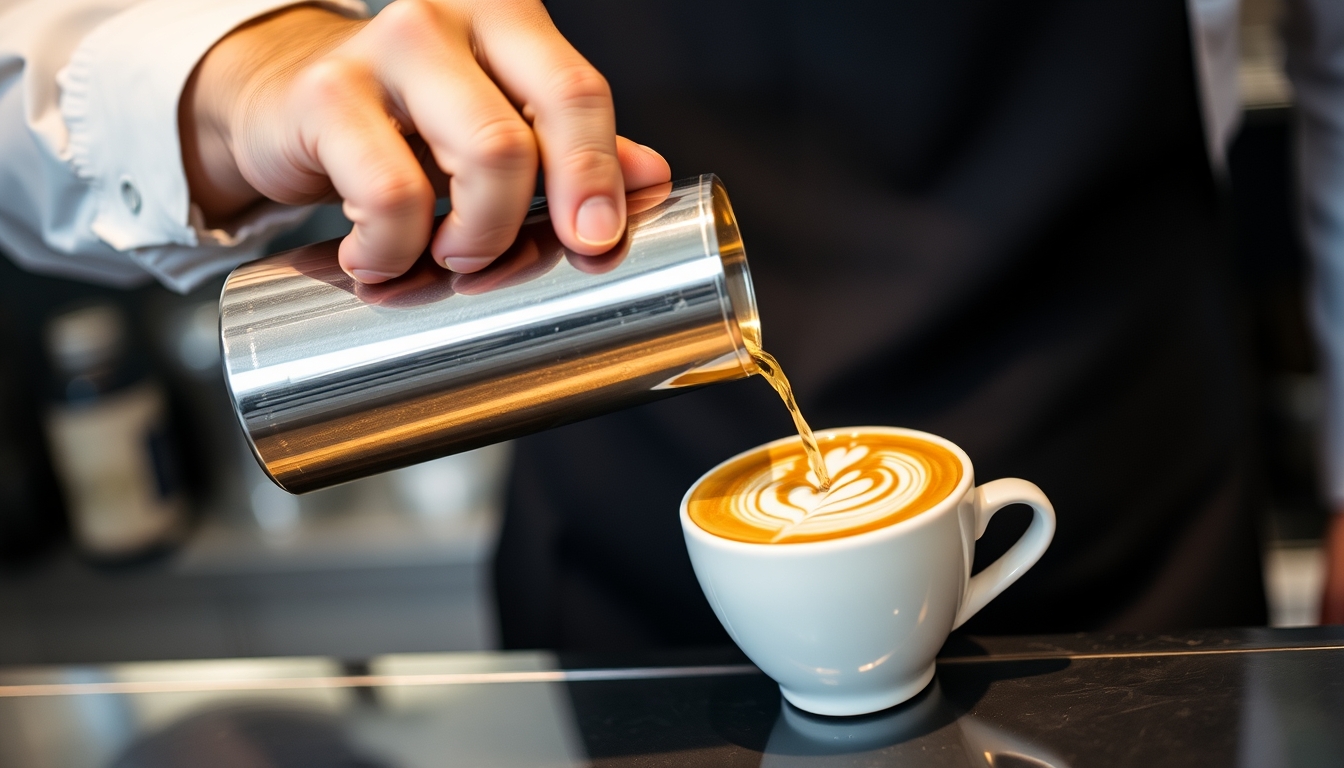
[{"x": 770, "y": 497}]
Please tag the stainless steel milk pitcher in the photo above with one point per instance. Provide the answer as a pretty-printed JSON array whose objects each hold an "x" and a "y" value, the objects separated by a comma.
[{"x": 334, "y": 380}]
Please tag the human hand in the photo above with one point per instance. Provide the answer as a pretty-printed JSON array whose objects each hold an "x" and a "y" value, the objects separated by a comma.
[
  {"x": 1332, "y": 601},
  {"x": 429, "y": 97}
]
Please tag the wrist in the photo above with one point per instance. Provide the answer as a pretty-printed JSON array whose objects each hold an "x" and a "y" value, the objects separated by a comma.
[{"x": 227, "y": 91}]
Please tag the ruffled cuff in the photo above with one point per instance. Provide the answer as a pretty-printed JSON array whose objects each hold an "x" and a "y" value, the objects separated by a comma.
[{"x": 119, "y": 101}]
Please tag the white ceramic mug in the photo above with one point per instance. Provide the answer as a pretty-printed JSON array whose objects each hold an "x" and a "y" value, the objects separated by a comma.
[{"x": 851, "y": 625}]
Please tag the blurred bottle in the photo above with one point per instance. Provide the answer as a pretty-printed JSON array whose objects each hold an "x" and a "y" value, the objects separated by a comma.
[
  {"x": 450, "y": 490},
  {"x": 30, "y": 505},
  {"x": 108, "y": 431}
]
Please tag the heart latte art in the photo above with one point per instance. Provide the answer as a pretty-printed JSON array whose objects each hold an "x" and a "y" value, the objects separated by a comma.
[{"x": 770, "y": 496}]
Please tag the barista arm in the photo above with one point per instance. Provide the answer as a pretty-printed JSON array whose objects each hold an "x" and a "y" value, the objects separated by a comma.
[
  {"x": 160, "y": 139},
  {"x": 466, "y": 98},
  {"x": 89, "y": 163}
]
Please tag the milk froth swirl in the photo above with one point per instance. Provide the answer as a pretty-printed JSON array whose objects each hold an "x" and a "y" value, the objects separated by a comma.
[{"x": 770, "y": 497}]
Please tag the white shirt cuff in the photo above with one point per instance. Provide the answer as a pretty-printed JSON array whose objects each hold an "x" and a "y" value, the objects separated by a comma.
[{"x": 119, "y": 101}]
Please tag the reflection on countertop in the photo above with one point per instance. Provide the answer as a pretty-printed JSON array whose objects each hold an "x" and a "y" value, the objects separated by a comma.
[
  {"x": 397, "y": 562},
  {"x": 1238, "y": 697}
]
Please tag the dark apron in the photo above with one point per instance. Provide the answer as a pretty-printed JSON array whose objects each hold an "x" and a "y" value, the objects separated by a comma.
[{"x": 990, "y": 220}]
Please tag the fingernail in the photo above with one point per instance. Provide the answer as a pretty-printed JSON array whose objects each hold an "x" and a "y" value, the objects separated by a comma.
[
  {"x": 466, "y": 264},
  {"x": 598, "y": 222},
  {"x": 369, "y": 276}
]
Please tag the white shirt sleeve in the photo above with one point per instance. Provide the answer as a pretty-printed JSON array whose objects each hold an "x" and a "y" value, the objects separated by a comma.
[
  {"x": 92, "y": 184},
  {"x": 1314, "y": 34},
  {"x": 1214, "y": 31}
]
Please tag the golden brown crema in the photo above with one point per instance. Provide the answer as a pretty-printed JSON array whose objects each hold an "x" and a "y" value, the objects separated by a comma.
[{"x": 770, "y": 497}]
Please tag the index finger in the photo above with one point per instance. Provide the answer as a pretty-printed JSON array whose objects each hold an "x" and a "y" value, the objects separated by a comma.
[{"x": 570, "y": 107}]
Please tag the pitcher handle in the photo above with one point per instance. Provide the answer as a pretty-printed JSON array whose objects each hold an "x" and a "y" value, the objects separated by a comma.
[{"x": 999, "y": 575}]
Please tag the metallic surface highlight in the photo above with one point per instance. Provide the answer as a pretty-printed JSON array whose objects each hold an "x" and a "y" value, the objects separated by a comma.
[{"x": 333, "y": 380}]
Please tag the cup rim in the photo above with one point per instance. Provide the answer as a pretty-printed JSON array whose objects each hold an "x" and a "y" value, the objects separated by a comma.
[{"x": 899, "y": 528}]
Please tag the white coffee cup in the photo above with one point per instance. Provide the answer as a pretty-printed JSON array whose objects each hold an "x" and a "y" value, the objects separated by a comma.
[{"x": 852, "y": 625}]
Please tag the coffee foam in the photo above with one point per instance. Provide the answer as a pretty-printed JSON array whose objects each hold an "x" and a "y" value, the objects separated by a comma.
[{"x": 770, "y": 496}]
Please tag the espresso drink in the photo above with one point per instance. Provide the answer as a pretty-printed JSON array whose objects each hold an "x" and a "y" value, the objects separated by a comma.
[
  {"x": 769, "y": 368},
  {"x": 878, "y": 479}
]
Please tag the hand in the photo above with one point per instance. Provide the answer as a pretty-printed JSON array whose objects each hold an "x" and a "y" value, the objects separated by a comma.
[
  {"x": 429, "y": 97},
  {"x": 1332, "y": 602}
]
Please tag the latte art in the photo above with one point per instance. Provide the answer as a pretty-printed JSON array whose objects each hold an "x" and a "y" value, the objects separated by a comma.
[
  {"x": 861, "y": 492},
  {"x": 771, "y": 497}
]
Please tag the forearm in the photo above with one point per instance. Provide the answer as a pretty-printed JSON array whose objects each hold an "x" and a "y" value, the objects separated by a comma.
[
  {"x": 95, "y": 184},
  {"x": 46, "y": 211},
  {"x": 190, "y": 127}
]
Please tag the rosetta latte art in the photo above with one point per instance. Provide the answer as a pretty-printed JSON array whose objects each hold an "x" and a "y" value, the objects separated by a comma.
[
  {"x": 857, "y": 496},
  {"x": 772, "y": 497}
]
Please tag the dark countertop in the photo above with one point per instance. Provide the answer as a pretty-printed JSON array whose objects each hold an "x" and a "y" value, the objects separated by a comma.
[{"x": 1254, "y": 697}]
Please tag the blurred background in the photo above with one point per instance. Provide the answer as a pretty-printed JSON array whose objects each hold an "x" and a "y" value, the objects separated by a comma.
[
  {"x": 135, "y": 524},
  {"x": 1274, "y": 273}
]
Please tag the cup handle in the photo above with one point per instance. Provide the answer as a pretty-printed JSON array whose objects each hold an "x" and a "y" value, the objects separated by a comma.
[{"x": 999, "y": 575}]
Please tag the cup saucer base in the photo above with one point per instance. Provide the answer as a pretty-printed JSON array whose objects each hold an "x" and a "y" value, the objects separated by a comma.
[{"x": 849, "y": 704}]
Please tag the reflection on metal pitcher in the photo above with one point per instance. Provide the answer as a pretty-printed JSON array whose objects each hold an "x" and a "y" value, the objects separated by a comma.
[{"x": 334, "y": 380}]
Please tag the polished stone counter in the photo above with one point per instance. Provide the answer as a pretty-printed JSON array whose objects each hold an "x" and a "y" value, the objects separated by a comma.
[{"x": 1239, "y": 697}]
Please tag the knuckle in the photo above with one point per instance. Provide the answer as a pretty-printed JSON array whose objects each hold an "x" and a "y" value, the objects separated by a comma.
[
  {"x": 408, "y": 20},
  {"x": 580, "y": 84},
  {"x": 589, "y": 160},
  {"x": 480, "y": 239},
  {"x": 504, "y": 145},
  {"x": 481, "y": 233},
  {"x": 329, "y": 80},
  {"x": 398, "y": 193}
]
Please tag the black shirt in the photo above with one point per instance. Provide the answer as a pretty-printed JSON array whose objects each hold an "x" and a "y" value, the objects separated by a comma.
[{"x": 990, "y": 220}]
